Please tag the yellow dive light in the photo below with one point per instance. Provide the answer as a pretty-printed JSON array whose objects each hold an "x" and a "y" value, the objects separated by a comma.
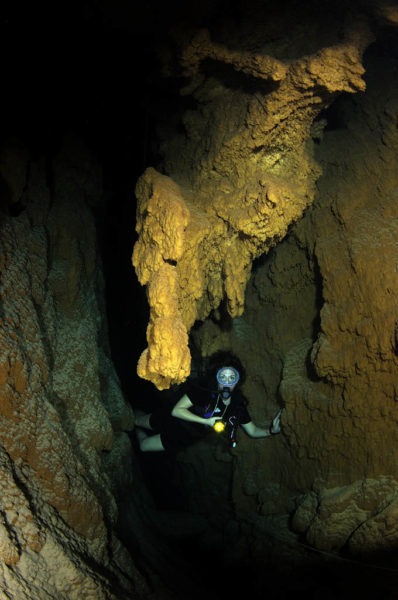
[{"x": 219, "y": 426}]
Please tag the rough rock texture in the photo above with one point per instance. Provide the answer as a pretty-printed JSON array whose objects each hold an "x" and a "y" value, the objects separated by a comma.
[
  {"x": 319, "y": 336},
  {"x": 242, "y": 171},
  {"x": 355, "y": 353},
  {"x": 62, "y": 415},
  {"x": 319, "y": 330}
]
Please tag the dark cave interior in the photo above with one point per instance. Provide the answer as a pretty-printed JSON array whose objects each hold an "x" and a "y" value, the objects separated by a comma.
[{"x": 93, "y": 71}]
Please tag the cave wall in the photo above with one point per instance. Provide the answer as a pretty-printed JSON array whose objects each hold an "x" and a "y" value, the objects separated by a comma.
[
  {"x": 65, "y": 457},
  {"x": 276, "y": 210},
  {"x": 355, "y": 356},
  {"x": 318, "y": 336},
  {"x": 315, "y": 324}
]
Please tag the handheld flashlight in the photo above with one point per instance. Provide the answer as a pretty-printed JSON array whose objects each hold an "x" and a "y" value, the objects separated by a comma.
[{"x": 219, "y": 426}]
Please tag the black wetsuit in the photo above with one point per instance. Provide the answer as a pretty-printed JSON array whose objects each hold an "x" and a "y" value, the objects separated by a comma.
[{"x": 176, "y": 433}]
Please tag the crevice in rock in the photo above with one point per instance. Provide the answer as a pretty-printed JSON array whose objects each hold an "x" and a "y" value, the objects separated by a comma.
[{"x": 230, "y": 78}]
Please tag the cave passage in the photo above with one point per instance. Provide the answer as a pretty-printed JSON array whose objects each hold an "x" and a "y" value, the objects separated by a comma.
[{"x": 311, "y": 513}]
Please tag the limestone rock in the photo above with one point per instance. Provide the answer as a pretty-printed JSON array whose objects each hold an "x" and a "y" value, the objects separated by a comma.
[
  {"x": 57, "y": 506},
  {"x": 319, "y": 336},
  {"x": 360, "y": 516},
  {"x": 239, "y": 177}
]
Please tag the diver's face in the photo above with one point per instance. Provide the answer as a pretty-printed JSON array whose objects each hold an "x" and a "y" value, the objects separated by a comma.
[{"x": 227, "y": 378}]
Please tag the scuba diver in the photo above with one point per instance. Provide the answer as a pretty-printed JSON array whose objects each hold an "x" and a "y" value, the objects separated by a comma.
[{"x": 214, "y": 404}]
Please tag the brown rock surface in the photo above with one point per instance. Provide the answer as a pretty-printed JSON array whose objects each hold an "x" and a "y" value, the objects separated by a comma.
[
  {"x": 242, "y": 172},
  {"x": 319, "y": 329},
  {"x": 355, "y": 352},
  {"x": 252, "y": 174},
  {"x": 319, "y": 334},
  {"x": 57, "y": 510}
]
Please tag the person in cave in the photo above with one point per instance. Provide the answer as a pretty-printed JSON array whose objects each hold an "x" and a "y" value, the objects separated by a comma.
[{"x": 212, "y": 403}]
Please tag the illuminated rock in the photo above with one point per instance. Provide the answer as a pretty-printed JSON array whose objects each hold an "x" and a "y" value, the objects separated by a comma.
[
  {"x": 241, "y": 174},
  {"x": 57, "y": 422}
]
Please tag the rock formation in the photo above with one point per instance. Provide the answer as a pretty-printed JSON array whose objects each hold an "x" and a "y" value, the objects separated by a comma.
[
  {"x": 243, "y": 169},
  {"x": 316, "y": 328},
  {"x": 355, "y": 354},
  {"x": 324, "y": 305},
  {"x": 63, "y": 416},
  {"x": 268, "y": 225}
]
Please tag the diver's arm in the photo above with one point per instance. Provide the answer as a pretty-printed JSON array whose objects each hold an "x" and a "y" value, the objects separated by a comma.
[
  {"x": 181, "y": 411},
  {"x": 255, "y": 432},
  {"x": 258, "y": 432}
]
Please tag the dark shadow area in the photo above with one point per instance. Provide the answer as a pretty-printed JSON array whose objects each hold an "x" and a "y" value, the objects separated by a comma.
[
  {"x": 385, "y": 45},
  {"x": 338, "y": 114},
  {"x": 262, "y": 260},
  {"x": 221, "y": 316},
  {"x": 159, "y": 473},
  {"x": 237, "y": 80},
  {"x": 264, "y": 25},
  {"x": 395, "y": 339},
  {"x": 318, "y": 281}
]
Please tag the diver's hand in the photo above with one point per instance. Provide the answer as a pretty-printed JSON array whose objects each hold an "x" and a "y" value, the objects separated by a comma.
[
  {"x": 210, "y": 422},
  {"x": 275, "y": 426}
]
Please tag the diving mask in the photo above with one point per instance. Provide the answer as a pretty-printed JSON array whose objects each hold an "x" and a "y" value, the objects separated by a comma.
[{"x": 227, "y": 378}]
